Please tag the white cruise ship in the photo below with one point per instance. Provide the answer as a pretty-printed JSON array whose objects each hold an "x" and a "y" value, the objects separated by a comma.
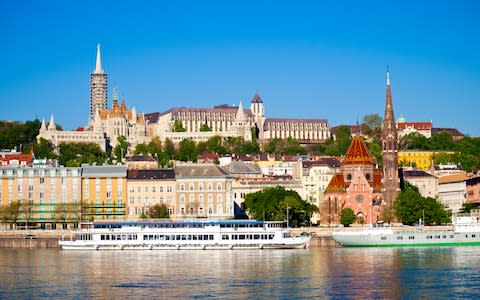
[
  {"x": 465, "y": 232},
  {"x": 162, "y": 235}
]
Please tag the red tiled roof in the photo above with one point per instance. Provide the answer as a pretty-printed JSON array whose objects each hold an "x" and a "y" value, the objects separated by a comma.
[
  {"x": 416, "y": 125},
  {"x": 337, "y": 184},
  {"x": 358, "y": 154}
]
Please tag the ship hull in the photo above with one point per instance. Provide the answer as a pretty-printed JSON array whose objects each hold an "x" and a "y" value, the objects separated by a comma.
[{"x": 406, "y": 239}]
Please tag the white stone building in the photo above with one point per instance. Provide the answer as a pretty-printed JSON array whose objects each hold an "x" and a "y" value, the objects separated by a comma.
[
  {"x": 452, "y": 191},
  {"x": 426, "y": 183}
]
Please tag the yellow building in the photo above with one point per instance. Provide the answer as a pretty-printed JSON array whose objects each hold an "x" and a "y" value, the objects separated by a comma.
[
  {"x": 148, "y": 187},
  {"x": 104, "y": 192},
  {"x": 420, "y": 159}
]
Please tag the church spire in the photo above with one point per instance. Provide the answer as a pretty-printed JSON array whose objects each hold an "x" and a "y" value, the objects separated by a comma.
[
  {"x": 98, "y": 66},
  {"x": 390, "y": 181}
]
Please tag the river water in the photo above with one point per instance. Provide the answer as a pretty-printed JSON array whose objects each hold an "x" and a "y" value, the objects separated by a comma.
[{"x": 360, "y": 273}]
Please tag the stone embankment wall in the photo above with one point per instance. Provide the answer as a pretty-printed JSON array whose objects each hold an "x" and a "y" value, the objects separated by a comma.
[
  {"x": 30, "y": 238},
  {"x": 321, "y": 236}
]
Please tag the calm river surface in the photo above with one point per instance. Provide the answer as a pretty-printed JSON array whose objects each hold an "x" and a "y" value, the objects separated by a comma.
[{"x": 363, "y": 273}]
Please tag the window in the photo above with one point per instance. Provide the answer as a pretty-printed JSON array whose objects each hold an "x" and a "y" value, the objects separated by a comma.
[
  {"x": 191, "y": 187},
  {"x": 161, "y": 189},
  {"x": 200, "y": 186},
  {"x": 182, "y": 187},
  {"x": 219, "y": 187},
  {"x": 219, "y": 198},
  {"x": 169, "y": 189}
]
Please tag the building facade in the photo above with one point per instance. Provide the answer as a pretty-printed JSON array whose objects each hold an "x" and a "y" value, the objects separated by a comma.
[
  {"x": 405, "y": 128},
  {"x": 426, "y": 183},
  {"x": 316, "y": 175},
  {"x": 104, "y": 192},
  {"x": 203, "y": 191},
  {"x": 148, "y": 187},
  {"x": 357, "y": 185},
  {"x": 420, "y": 159},
  {"x": 50, "y": 197},
  {"x": 452, "y": 191}
]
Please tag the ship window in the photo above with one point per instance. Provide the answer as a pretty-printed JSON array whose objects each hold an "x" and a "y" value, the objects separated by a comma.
[
  {"x": 437, "y": 236},
  {"x": 451, "y": 236},
  {"x": 444, "y": 236},
  {"x": 411, "y": 237},
  {"x": 429, "y": 237},
  {"x": 383, "y": 238},
  {"x": 399, "y": 237},
  {"x": 473, "y": 235}
]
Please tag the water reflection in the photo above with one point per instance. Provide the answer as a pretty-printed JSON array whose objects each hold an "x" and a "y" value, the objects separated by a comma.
[{"x": 315, "y": 273}]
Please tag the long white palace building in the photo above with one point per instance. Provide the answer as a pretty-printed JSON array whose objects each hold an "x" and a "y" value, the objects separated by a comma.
[{"x": 106, "y": 125}]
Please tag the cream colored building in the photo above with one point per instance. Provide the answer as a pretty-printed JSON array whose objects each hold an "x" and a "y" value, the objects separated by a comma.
[
  {"x": 316, "y": 174},
  {"x": 148, "y": 187},
  {"x": 50, "y": 196},
  {"x": 232, "y": 121},
  {"x": 203, "y": 191},
  {"x": 224, "y": 121},
  {"x": 452, "y": 190},
  {"x": 426, "y": 183}
]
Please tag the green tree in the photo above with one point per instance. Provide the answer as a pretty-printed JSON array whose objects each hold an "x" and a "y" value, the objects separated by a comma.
[
  {"x": 441, "y": 141},
  {"x": 121, "y": 148},
  {"x": 43, "y": 149},
  {"x": 272, "y": 204},
  {"x": 187, "y": 151},
  {"x": 158, "y": 211},
  {"x": 413, "y": 140},
  {"x": 410, "y": 206},
  {"x": 178, "y": 127},
  {"x": 347, "y": 216},
  {"x": 343, "y": 140},
  {"x": 10, "y": 212},
  {"x": 293, "y": 147},
  {"x": 372, "y": 121},
  {"x": 169, "y": 148},
  {"x": 76, "y": 154},
  {"x": 467, "y": 207},
  {"x": 215, "y": 145},
  {"x": 142, "y": 149},
  {"x": 205, "y": 127}
]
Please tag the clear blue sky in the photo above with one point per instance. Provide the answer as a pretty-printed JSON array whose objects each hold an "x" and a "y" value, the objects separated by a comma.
[{"x": 307, "y": 59}]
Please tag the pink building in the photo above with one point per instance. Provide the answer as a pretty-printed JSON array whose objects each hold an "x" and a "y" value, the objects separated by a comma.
[{"x": 357, "y": 185}]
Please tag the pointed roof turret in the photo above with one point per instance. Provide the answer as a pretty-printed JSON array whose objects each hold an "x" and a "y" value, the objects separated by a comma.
[
  {"x": 240, "y": 116},
  {"x": 51, "y": 125},
  {"x": 98, "y": 65},
  {"x": 44, "y": 126},
  {"x": 257, "y": 98},
  {"x": 358, "y": 154},
  {"x": 124, "y": 108}
]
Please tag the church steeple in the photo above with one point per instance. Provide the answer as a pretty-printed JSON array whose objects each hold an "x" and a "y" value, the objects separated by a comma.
[
  {"x": 98, "y": 88},
  {"x": 390, "y": 181},
  {"x": 98, "y": 65}
]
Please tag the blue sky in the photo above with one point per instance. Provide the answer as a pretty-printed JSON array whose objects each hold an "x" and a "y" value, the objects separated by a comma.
[{"x": 307, "y": 59}]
